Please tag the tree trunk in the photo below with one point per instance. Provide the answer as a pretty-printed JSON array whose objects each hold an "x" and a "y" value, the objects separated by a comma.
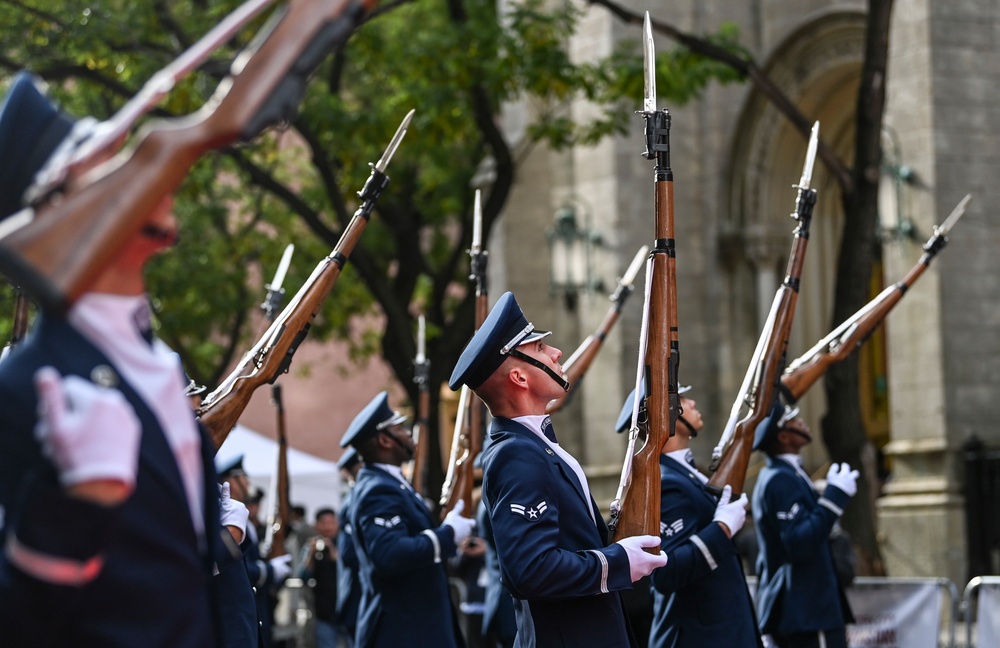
[{"x": 843, "y": 428}]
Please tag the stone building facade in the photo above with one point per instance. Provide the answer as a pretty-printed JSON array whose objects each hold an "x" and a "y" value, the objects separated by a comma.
[{"x": 931, "y": 378}]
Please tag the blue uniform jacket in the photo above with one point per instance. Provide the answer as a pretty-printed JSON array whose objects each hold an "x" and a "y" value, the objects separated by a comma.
[
  {"x": 154, "y": 586},
  {"x": 405, "y": 598},
  {"x": 498, "y": 608},
  {"x": 700, "y": 596},
  {"x": 348, "y": 581},
  {"x": 551, "y": 541},
  {"x": 238, "y": 624},
  {"x": 797, "y": 589}
]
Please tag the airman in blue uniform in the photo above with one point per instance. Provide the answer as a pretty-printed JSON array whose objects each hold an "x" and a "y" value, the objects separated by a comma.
[
  {"x": 405, "y": 597},
  {"x": 550, "y": 536},
  {"x": 348, "y": 580},
  {"x": 799, "y": 601},
  {"x": 700, "y": 597}
]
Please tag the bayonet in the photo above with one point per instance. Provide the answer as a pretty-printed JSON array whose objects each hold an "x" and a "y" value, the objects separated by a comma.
[
  {"x": 383, "y": 161},
  {"x": 274, "y": 290},
  {"x": 648, "y": 66}
]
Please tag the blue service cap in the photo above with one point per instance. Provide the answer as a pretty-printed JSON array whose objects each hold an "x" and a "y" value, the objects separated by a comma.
[
  {"x": 230, "y": 467},
  {"x": 772, "y": 423},
  {"x": 376, "y": 416},
  {"x": 348, "y": 459},
  {"x": 625, "y": 416},
  {"x": 31, "y": 128},
  {"x": 505, "y": 328}
]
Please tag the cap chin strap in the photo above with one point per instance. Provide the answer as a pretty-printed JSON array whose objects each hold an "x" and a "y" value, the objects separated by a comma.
[
  {"x": 690, "y": 427},
  {"x": 409, "y": 451},
  {"x": 562, "y": 382}
]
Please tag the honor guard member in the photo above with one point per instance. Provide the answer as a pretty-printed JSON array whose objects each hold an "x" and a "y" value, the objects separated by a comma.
[
  {"x": 265, "y": 575},
  {"x": 405, "y": 597},
  {"x": 348, "y": 580},
  {"x": 799, "y": 601},
  {"x": 110, "y": 518},
  {"x": 700, "y": 597},
  {"x": 550, "y": 537}
]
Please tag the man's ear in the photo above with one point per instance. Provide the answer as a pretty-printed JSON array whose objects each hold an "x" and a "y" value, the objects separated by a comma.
[{"x": 518, "y": 376}]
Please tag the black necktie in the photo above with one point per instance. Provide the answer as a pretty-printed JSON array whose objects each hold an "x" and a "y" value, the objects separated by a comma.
[
  {"x": 144, "y": 323},
  {"x": 547, "y": 430},
  {"x": 689, "y": 458}
]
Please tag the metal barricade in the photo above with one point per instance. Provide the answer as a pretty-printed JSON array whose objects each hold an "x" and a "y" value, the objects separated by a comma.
[
  {"x": 968, "y": 610},
  {"x": 894, "y": 612},
  {"x": 886, "y": 585}
]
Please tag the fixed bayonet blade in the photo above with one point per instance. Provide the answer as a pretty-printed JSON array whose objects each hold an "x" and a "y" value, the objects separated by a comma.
[
  {"x": 279, "y": 275},
  {"x": 477, "y": 224},
  {"x": 807, "y": 168},
  {"x": 648, "y": 66},
  {"x": 945, "y": 227},
  {"x": 421, "y": 337},
  {"x": 383, "y": 161},
  {"x": 633, "y": 268}
]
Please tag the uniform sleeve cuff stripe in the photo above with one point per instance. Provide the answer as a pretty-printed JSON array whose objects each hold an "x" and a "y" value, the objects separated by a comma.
[
  {"x": 830, "y": 505},
  {"x": 52, "y": 569},
  {"x": 604, "y": 569},
  {"x": 437, "y": 544},
  {"x": 698, "y": 542}
]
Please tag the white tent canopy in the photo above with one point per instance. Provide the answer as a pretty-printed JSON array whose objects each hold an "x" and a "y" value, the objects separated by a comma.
[{"x": 313, "y": 482}]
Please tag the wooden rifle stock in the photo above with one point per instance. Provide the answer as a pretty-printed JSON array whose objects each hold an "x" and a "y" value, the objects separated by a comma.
[
  {"x": 732, "y": 467},
  {"x": 803, "y": 372},
  {"x": 636, "y": 508},
  {"x": 580, "y": 361},
  {"x": 280, "y": 514},
  {"x": 57, "y": 255},
  {"x": 272, "y": 354}
]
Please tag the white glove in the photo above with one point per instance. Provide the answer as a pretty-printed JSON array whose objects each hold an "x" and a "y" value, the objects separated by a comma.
[
  {"x": 731, "y": 514},
  {"x": 90, "y": 432},
  {"x": 281, "y": 567},
  {"x": 232, "y": 512},
  {"x": 462, "y": 526},
  {"x": 642, "y": 563},
  {"x": 841, "y": 476}
]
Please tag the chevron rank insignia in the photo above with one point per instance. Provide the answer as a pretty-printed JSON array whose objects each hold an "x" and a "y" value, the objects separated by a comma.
[
  {"x": 391, "y": 522},
  {"x": 530, "y": 513},
  {"x": 667, "y": 530},
  {"x": 790, "y": 515}
]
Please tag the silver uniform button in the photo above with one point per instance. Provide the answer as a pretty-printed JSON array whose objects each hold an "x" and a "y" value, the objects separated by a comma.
[{"x": 104, "y": 376}]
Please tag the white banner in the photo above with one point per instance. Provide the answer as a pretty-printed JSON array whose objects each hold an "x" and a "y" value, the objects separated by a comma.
[
  {"x": 988, "y": 616},
  {"x": 896, "y": 615}
]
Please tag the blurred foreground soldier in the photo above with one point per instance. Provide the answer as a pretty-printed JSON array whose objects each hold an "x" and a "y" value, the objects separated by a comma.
[
  {"x": 348, "y": 580},
  {"x": 109, "y": 509},
  {"x": 799, "y": 600},
  {"x": 405, "y": 597},
  {"x": 265, "y": 575},
  {"x": 700, "y": 597},
  {"x": 550, "y": 536}
]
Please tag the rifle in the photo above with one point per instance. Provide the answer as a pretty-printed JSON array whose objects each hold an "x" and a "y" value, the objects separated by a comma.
[
  {"x": 580, "y": 361},
  {"x": 467, "y": 441},
  {"x": 57, "y": 255},
  {"x": 92, "y": 144},
  {"x": 421, "y": 426},
  {"x": 805, "y": 370},
  {"x": 277, "y": 523},
  {"x": 732, "y": 455},
  {"x": 272, "y": 354},
  {"x": 636, "y": 507}
]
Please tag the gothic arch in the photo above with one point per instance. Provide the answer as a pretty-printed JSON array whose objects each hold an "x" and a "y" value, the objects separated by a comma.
[{"x": 818, "y": 67}]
